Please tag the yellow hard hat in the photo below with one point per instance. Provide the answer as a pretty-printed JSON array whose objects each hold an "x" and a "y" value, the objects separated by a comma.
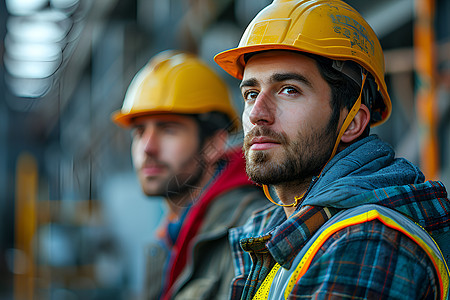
[
  {"x": 175, "y": 82},
  {"x": 332, "y": 29}
]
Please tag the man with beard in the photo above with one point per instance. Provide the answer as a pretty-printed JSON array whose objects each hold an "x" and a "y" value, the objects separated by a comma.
[
  {"x": 349, "y": 220},
  {"x": 181, "y": 115}
]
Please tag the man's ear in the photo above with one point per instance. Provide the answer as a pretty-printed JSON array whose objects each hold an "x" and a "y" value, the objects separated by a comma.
[
  {"x": 357, "y": 126},
  {"x": 215, "y": 146}
]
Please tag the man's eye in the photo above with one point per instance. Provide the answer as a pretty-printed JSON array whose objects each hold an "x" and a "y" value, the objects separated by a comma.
[
  {"x": 138, "y": 131},
  {"x": 170, "y": 129},
  {"x": 289, "y": 90},
  {"x": 250, "y": 95}
]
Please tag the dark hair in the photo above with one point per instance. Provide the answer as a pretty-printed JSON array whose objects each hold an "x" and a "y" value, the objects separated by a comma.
[
  {"x": 209, "y": 123},
  {"x": 344, "y": 90}
]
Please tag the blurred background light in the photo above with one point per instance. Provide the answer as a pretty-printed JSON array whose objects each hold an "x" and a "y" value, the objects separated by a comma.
[
  {"x": 65, "y": 5},
  {"x": 26, "y": 88},
  {"x": 32, "y": 51},
  {"x": 29, "y": 68},
  {"x": 48, "y": 26},
  {"x": 24, "y": 7},
  {"x": 38, "y": 33}
]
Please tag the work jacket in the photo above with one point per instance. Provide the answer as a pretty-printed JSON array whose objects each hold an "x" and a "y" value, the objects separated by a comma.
[
  {"x": 198, "y": 264},
  {"x": 368, "y": 259}
]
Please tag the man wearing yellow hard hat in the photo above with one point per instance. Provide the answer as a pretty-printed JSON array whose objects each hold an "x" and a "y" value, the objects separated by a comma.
[
  {"x": 180, "y": 113},
  {"x": 349, "y": 220}
]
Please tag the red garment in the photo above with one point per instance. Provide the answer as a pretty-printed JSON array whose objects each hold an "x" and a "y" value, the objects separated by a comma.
[{"x": 231, "y": 177}]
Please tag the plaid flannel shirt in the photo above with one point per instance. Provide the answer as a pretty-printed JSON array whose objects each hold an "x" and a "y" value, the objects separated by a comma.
[{"x": 368, "y": 260}]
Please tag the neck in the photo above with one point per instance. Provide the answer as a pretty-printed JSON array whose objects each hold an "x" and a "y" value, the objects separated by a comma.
[
  {"x": 175, "y": 208},
  {"x": 177, "y": 203},
  {"x": 287, "y": 192}
]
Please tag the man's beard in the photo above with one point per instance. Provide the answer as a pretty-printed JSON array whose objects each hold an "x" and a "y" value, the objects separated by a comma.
[
  {"x": 181, "y": 188},
  {"x": 300, "y": 160}
]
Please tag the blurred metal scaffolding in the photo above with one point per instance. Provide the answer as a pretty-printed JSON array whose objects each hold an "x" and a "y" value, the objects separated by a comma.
[{"x": 426, "y": 102}]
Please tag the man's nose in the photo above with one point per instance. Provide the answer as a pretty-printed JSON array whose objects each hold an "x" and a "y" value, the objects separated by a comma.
[
  {"x": 263, "y": 110},
  {"x": 150, "y": 141}
]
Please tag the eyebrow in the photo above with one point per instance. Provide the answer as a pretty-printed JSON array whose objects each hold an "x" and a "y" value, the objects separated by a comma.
[
  {"x": 248, "y": 82},
  {"x": 277, "y": 77}
]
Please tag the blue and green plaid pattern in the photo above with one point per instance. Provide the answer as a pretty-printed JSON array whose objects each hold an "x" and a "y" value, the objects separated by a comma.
[{"x": 363, "y": 261}]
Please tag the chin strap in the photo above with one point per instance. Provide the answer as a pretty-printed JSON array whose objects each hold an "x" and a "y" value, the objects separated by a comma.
[
  {"x": 350, "y": 116},
  {"x": 267, "y": 193}
]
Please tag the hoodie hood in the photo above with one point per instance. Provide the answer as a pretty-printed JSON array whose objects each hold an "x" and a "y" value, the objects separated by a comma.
[
  {"x": 367, "y": 172},
  {"x": 366, "y": 165}
]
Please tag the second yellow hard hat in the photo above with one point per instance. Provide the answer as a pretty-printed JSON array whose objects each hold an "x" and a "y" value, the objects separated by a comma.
[{"x": 175, "y": 82}]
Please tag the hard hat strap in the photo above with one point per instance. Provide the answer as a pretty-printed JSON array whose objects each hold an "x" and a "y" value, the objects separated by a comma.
[
  {"x": 296, "y": 198},
  {"x": 350, "y": 116}
]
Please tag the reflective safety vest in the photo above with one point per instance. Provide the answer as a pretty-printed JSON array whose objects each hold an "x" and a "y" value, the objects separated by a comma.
[{"x": 280, "y": 282}]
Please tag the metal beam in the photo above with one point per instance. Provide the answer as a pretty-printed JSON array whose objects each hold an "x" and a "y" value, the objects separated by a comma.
[{"x": 389, "y": 16}]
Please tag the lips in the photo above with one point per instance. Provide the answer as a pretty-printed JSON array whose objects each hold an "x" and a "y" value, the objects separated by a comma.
[
  {"x": 263, "y": 143},
  {"x": 152, "y": 170},
  {"x": 261, "y": 138}
]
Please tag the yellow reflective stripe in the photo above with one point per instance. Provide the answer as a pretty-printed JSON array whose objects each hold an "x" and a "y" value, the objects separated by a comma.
[
  {"x": 263, "y": 292},
  {"x": 439, "y": 265},
  {"x": 302, "y": 267}
]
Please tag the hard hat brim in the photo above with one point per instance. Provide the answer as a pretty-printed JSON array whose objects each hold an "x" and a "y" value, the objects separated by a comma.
[
  {"x": 232, "y": 60},
  {"x": 125, "y": 120}
]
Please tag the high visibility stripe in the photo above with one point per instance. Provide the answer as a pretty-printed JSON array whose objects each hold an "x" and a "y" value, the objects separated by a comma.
[
  {"x": 304, "y": 264},
  {"x": 263, "y": 292},
  {"x": 439, "y": 264}
]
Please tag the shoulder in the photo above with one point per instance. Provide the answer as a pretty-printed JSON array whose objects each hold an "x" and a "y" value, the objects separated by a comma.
[
  {"x": 370, "y": 260},
  {"x": 379, "y": 240},
  {"x": 232, "y": 208}
]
